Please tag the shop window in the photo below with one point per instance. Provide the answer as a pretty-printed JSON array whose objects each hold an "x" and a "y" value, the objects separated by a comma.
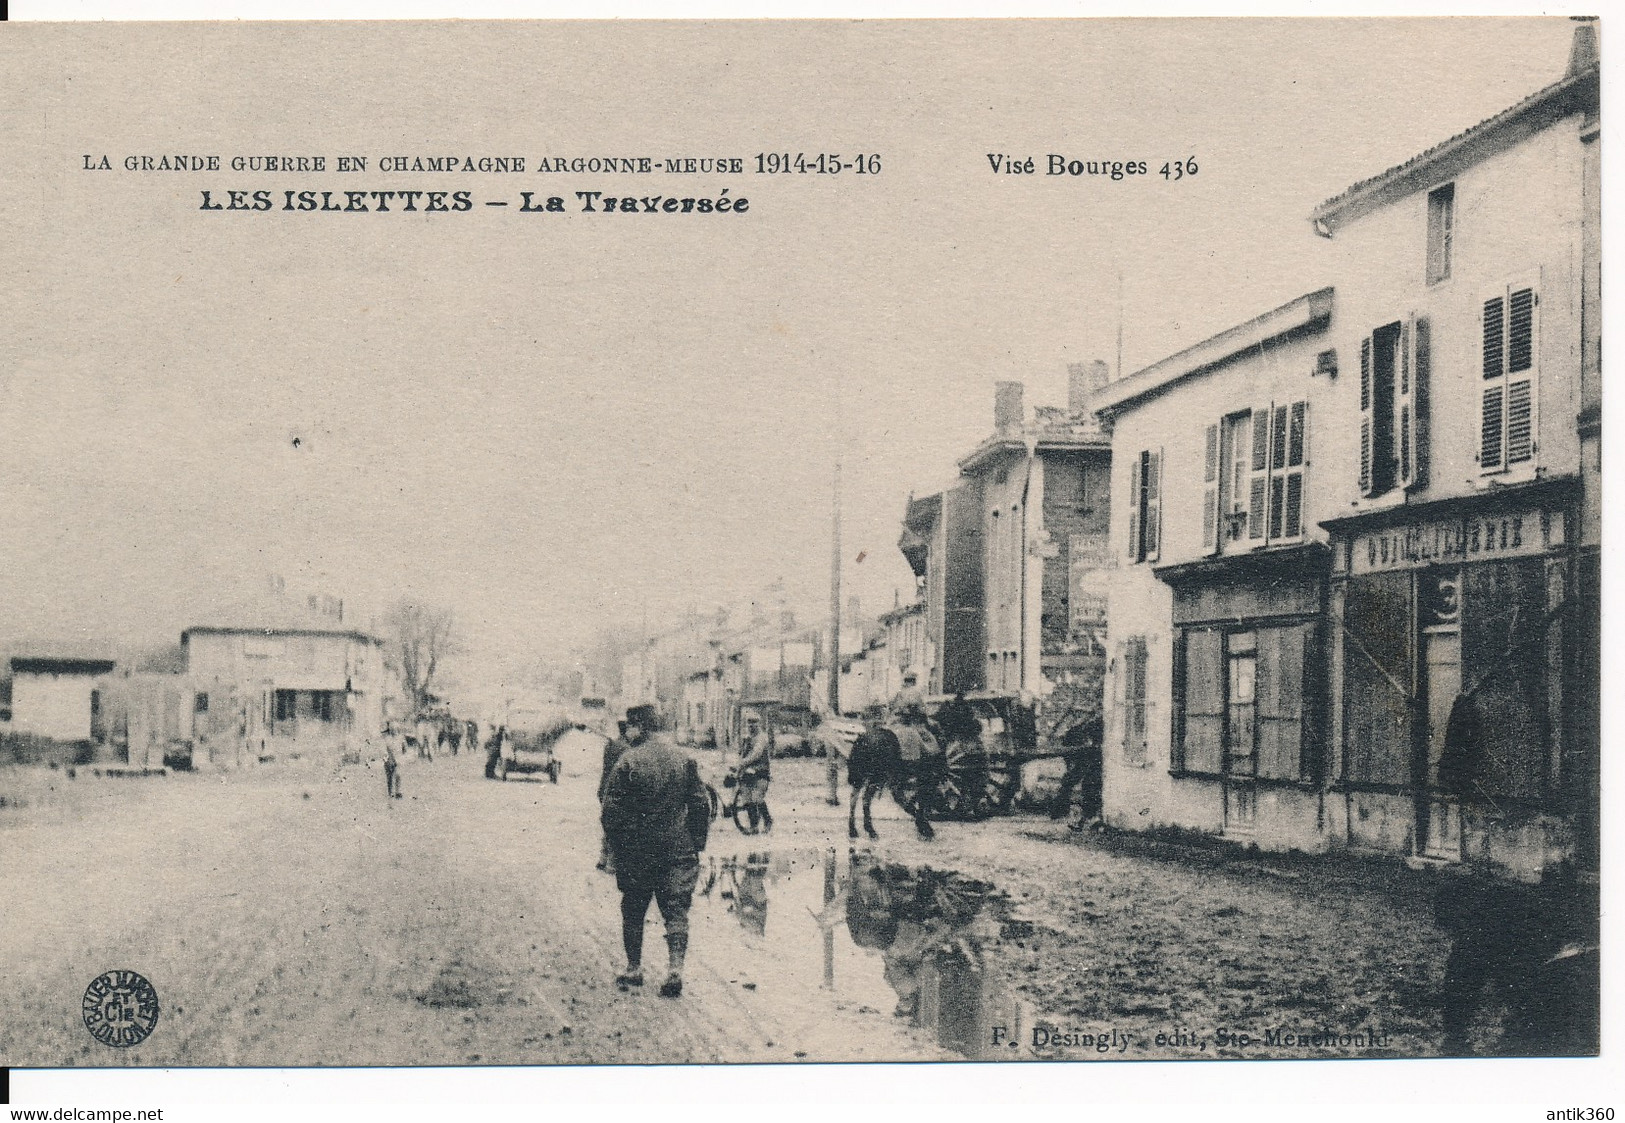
[
  {"x": 1508, "y": 397},
  {"x": 1134, "y": 725},
  {"x": 1244, "y": 702},
  {"x": 321, "y": 705},
  {"x": 1504, "y": 627},
  {"x": 200, "y": 703},
  {"x": 1378, "y": 628},
  {"x": 1395, "y": 368},
  {"x": 285, "y": 703},
  {"x": 1145, "y": 505}
]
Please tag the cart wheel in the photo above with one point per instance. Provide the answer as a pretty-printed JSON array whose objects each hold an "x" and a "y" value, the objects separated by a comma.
[
  {"x": 739, "y": 814},
  {"x": 714, "y": 801}
]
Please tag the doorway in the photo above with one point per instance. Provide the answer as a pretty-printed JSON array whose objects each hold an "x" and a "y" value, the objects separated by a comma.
[
  {"x": 1438, "y": 815},
  {"x": 1240, "y": 732}
]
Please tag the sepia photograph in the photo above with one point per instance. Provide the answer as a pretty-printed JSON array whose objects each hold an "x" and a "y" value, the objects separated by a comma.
[{"x": 761, "y": 542}]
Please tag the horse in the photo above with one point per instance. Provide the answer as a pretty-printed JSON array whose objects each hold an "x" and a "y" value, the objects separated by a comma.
[{"x": 891, "y": 757}]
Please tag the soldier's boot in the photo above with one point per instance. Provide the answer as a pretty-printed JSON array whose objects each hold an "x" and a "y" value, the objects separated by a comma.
[{"x": 677, "y": 951}]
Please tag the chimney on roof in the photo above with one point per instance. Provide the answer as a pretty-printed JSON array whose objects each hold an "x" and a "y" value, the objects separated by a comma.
[
  {"x": 1008, "y": 409},
  {"x": 1583, "y": 51},
  {"x": 1083, "y": 382}
]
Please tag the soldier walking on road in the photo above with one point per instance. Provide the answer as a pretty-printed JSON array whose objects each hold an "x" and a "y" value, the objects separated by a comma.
[
  {"x": 634, "y": 730},
  {"x": 755, "y": 774},
  {"x": 656, "y": 817}
]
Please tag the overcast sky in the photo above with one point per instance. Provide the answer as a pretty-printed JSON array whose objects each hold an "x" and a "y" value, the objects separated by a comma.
[{"x": 555, "y": 422}]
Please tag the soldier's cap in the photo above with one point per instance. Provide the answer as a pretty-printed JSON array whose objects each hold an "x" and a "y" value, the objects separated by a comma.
[{"x": 644, "y": 717}]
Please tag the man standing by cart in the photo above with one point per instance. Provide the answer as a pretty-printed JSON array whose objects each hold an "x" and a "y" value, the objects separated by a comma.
[{"x": 656, "y": 818}]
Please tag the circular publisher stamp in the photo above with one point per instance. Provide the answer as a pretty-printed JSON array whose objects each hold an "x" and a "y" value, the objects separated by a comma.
[{"x": 120, "y": 1008}]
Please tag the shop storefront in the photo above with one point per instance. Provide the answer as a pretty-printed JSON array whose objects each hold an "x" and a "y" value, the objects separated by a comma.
[
  {"x": 1248, "y": 720},
  {"x": 1460, "y": 607}
]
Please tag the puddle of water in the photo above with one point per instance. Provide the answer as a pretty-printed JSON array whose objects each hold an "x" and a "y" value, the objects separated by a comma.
[{"x": 907, "y": 941}]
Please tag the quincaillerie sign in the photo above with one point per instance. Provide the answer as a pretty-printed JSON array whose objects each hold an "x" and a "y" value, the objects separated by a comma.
[{"x": 1454, "y": 541}]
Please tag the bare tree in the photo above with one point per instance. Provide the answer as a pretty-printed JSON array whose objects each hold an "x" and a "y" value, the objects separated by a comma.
[{"x": 420, "y": 638}]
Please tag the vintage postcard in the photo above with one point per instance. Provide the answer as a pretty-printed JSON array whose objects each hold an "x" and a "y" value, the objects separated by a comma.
[{"x": 596, "y": 543}]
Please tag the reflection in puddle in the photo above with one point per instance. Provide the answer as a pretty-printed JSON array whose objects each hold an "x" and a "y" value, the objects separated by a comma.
[{"x": 929, "y": 932}]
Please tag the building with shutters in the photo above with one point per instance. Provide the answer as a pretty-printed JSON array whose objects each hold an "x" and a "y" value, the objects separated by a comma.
[
  {"x": 1012, "y": 559},
  {"x": 1465, "y": 545},
  {"x": 1407, "y": 516},
  {"x": 1215, "y": 697}
]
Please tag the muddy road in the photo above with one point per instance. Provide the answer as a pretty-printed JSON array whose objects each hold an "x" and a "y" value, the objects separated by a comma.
[{"x": 293, "y": 916}]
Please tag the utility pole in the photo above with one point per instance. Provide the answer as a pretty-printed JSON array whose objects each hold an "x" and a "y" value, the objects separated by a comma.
[
  {"x": 833, "y": 797},
  {"x": 835, "y": 600}
]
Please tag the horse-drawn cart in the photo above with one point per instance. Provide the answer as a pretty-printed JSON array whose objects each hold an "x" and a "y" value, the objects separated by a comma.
[{"x": 980, "y": 743}]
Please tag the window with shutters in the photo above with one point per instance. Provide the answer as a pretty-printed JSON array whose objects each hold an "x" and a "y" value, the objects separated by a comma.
[
  {"x": 1253, "y": 479},
  {"x": 1508, "y": 394},
  {"x": 1134, "y": 725},
  {"x": 1441, "y": 231},
  {"x": 1145, "y": 505},
  {"x": 1394, "y": 373}
]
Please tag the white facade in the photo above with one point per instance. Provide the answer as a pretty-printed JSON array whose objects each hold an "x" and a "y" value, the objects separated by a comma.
[
  {"x": 311, "y": 688},
  {"x": 1213, "y": 390},
  {"x": 57, "y": 703}
]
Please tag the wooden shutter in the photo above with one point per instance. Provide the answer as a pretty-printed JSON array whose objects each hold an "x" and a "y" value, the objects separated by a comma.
[
  {"x": 1134, "y": 666},
  {"x": 1258, "y": 471},
  {"x": 1520, "y": 395},
  {"x": 1366, "y": 433},
  {"x": 1134, "y": 504},
  {"x": 1151, "y": 481},
  {"x": 1277, "y": 488},
  {"x": 1492, "y": 416},
  {"x": 1405, "y": 407},
  {"x": 1297, "y": 461},
  {"x": 1421, "y": 375},
  {"x": 1210, "y": 491},
  {"x": 1279, "y": 685},
  {"x": 1507, "y": 405},
  {"x": 1203, "y": 748}
]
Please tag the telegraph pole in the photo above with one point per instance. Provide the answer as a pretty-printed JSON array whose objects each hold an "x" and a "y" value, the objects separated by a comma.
[{"x": 833, "y": 797}]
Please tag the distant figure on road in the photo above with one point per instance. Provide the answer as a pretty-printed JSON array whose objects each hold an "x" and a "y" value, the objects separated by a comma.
[
  {"x": 392, "y": 775},
  {"x": 634, "y": 731},
  {"x": 656, "y": 817},
  {"x": 493, "y": 751},
  {"x": 829, "y": 740},
  {"x": 755, "y": 774}
]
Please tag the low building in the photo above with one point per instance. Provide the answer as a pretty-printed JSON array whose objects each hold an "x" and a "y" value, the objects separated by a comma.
[
  {"x": 60, "y": 698},
  {"x": 249, "y": 694}
]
